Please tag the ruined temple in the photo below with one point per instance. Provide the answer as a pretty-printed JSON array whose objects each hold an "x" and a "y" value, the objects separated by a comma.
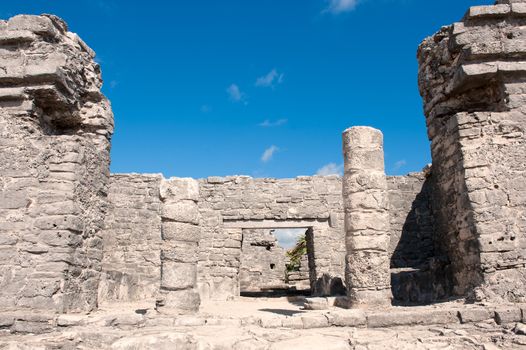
[{"x": 75, "y": 238}]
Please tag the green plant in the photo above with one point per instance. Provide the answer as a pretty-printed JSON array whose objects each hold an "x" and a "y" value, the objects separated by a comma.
[{"x": 294, "y": 254}]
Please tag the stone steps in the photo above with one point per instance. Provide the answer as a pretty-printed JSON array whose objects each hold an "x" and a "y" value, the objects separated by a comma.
[{"x": 373, "y": 319}]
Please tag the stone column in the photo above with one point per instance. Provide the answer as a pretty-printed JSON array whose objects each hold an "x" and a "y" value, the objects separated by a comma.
[
  {"x": 180, "y": 235},
  {"x": 366, "y": 218}
]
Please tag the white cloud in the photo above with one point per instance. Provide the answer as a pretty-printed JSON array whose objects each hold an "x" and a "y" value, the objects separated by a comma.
[
  {"x": 270, "y": 80},
  {"x": 399, "y": 164},
  {"x": 113, "y": 84},
  {"x": 269, "y": 153},
  {"x": 269, "y": 124},
  {"x": 236, "y": 94},
  {"x": 288, "y": 237},
  {"x": 330, "y": 169},
  {"x": 340, "y": 6},
  {"x": 206, "y": 109}
]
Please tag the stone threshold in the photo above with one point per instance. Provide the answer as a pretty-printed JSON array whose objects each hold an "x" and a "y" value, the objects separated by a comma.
[{"x": 36, "y": 323}]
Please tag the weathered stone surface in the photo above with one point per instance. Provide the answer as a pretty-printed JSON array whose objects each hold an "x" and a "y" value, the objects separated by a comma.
[
  {"x": 511, "y": 314},
  {"x": 131, "y": 265},
  {"x": 177, "y": 189},
  {"x": 316, "y": 304},
  {"x": 348, "y": 318},
  {"x": 262, "y": 265},
  {"x": 470, "y": 78},
  {"x": 366, "y": 218},
  {"x": 175, "y": 276},
  {"x": 393, "y": 318},
  {"x": 312, "y": 343},
  {"x": 470, "y": 315},
  {"x": 231, "y": 204},
  {"x": 54, "y": 168},
  {"x": 179, "y": 254}
]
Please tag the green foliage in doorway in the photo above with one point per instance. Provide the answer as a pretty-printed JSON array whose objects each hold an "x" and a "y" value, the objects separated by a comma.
[{"x": 294, "y": 254}]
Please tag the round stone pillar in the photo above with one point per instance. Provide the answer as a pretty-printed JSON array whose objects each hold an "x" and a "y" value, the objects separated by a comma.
[{"x": 367, "y": 232}]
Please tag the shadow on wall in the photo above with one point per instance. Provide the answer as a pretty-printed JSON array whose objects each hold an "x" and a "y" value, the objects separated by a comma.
[{"x": 420, "y": 270}]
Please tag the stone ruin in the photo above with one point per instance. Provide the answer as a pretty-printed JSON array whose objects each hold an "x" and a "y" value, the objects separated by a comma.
[{"x": 74, "y": 237}]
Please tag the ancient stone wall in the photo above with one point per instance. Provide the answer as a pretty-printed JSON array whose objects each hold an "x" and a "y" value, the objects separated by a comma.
[
  {"x": 472, "y": 77},
  {"x": 262, "y": 261},
  {"x": 137, "y": 227},
  {"x": 150, "y": 242},
  {"x": 229, "y": 205},
  {"x": 55, "y": 129},
  {"x": 420, "y": 270},
  {"x": 131, "y": 265},
  {"x": 411, "y": 220}
]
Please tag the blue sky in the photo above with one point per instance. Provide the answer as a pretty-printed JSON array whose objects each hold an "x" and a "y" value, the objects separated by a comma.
[{"x": 259, "y": 88}]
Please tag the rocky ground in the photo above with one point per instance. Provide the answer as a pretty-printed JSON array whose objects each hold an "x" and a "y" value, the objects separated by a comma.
[
  {"x": 481, "y": 336},
  {"x": 271, "y": 324}
]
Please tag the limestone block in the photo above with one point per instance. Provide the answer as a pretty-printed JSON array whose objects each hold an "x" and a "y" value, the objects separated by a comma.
[
  {"x": 13, "y": 199},
  {"x": 362, "y": 137},
  {"x": 59, "y": 222},
  {"x": 315, "y": 321},
  {"x": 37, "y": 24},
  {"x": 177, "y": 189},
  {"x": 348, "y": 318},
  {"x": 367, "y": 222},
  {"x": 180, "y": 301},
  {"x": 182, "y": 252},
  {"x": 316, "y": 304},
  {"x": 272, "y": 322},
  {"x": 367, "y": 242},
  {"x": 364, "y": 298},
  {"x": 292, "y": 322},
  {"x": 16, "y": 36},
  {"x": 411, "y": 318},
  {"x": 372, "y": 200},
  {"x": 6, "y": 320},
  {"x": 32, "y": 327},
  {"x": 488, "y": 11},
  {"x": 372, "y": 159},
  {"x": 183, "y": 211},
  {"x": 176, "y": 276},
  {"x": 176, "y": 231},
  {"x": 371, "y": 273},
  {"x": 363, "y": 181},
  {"x": 505, "y": 315},
  {"x": 71, "y": 320},
  {"x": 518, "y": 9},
  {"x": 472, "y": 315}
]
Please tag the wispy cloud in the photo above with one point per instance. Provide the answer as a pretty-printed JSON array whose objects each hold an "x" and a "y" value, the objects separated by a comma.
[
  {"x": 340, "y": 6},
  {"x": 330, "y": 169},
  {"x": 271, "y": 79},
  {"x": 269, "y": 153},
  {"x": 113, "y": 84},
  {"x": 399, "y": 164},
  {"x": 270, "y": 124},
  {"x": 287, "y": 238},
  {"x": 235, "y": 94}
]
